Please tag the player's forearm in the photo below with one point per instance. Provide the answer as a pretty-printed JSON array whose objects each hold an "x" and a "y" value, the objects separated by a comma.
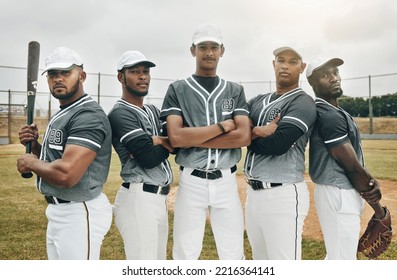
[
  {"x": 57, "y": 173},
  {"x": 358, "y": 176},
  {"x": 152, "y": 156},
  {"x": 369, "y": 189},
  {"x": 147, "y": 151},
  {"x": 277, "y": 143},
  {"x": 162, "y": 141},
  {"x": 36, "y": 149},
  {"x": 234, "y": 139},
  {"x": 262, "y": 131},
  {"x": 186, "y": 137},
  {"x": 346, "y": 158}
]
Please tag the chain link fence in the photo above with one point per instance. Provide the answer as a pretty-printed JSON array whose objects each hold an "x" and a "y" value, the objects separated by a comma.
[{"x": 105, "y": 88}]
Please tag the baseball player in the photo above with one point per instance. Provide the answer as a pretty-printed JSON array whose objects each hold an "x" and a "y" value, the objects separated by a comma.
[
  {"x": 72, "y": 164},
  {"x": 336, "y": 165},
  {"x": 207, "y": 119},
  {"x": 278, "y": 197},
  {"x": 140, "y": 207}
]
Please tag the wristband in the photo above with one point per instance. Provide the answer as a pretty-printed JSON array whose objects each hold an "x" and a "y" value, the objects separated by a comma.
[{"x": 221, "y": 127}]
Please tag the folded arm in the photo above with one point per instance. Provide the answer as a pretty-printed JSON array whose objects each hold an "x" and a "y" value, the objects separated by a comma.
[
  {"x": 184, "y": 137},
  {"x": 265, "y": 130},
  {"x": 277, "y": 143},
  {"x": 239, "y": 137},
  {"x": 149, "y": 151},
  {"x": 65, "y": 172}
]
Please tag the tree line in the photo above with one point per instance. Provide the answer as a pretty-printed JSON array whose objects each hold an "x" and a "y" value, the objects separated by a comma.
[{"x": 382, "y": 106}]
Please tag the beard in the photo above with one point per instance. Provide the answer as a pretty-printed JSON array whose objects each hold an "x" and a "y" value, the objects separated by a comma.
[
  {"x": 336, "y": 94},
  {"x": 339, "y": 94},
  {"x": 327, "y": 93},
  {"x": 68, "y": 94},
  {"x": 135, "y": 92}
]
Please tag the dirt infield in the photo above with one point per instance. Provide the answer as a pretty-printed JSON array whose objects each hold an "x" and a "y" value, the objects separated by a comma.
[{"x": 311, "y": 227}]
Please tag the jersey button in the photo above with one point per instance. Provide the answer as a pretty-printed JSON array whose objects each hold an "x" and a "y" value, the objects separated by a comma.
[{"x": 213, "y": 161}]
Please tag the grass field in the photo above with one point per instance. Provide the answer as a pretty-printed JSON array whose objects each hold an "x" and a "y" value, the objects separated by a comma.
[{"x": 23, "y": 222}]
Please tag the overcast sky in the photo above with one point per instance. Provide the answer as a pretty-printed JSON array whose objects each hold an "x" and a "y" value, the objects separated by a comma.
[{"x": 362, "y": 32}]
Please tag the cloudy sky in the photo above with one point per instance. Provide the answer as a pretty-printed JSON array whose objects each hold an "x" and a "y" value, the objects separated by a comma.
[{"x": 362, "y": 32}]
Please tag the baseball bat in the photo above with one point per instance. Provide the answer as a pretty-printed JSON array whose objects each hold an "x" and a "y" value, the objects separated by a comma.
[{"x": 33, "y": 72}]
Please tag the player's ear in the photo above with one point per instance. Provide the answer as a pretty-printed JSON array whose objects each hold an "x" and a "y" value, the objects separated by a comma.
[
  {"x": 193, "y": 50},
  {"x": 82, "y": 76},
  {"x": 303, "y": 66},
  {"x": 120, "y": 77},
  {"x": 222, "y": 50}
]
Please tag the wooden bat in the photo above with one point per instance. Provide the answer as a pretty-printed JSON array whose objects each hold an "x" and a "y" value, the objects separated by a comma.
[{"x": 33, "y": 72}]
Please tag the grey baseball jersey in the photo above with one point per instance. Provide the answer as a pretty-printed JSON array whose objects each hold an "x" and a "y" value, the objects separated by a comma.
[
  {"x": 198, "y": 107},
  {"x": 333, "y": 127},
  {"x": 82, "y": 123},
  {"x": 296, "y": 108},
  {"x": 129, "y": 122}
]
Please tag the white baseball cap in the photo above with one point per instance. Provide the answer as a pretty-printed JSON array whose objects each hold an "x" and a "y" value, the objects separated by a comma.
[
  {"x": 62, "y": 58},
  {"x": 277, "y": 51},
  {"x": 321, "y": 62},
  {"x": 131, "y": 58},
  {"x": 207, "y": 33}
]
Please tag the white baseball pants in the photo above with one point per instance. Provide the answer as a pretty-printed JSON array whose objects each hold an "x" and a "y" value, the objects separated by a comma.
[
  {"x": 274, "y": 221},
  {"x": 142, "y": 220},
  {"x": 220, "y": 197},
  {"x": 339, "y": 212},
  {"x": 75, "y": 230}
]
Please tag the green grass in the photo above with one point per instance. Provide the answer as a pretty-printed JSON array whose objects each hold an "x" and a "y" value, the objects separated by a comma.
[
  {"x": 381, "y": 158},
  {"x": 23, "y": 222}
]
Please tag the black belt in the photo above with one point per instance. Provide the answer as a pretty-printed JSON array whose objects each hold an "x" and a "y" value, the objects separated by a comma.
[
  {"x": 151, "y": 188},
  {"x": 210, "y": 175},
  {"x": 259, "y": 185},
  {"x": 55, "y": 200}
]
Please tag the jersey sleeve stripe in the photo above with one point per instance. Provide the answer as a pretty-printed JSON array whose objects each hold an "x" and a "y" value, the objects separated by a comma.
[
  {"x": 298, "y": 120},
  {"x": 129, "y": 133},
  {"x": 86, "y": 140},
  {"x": 172, "y": 108},
  {"x": 242, "y": 110},
  {"x": 335, "y": 139}
]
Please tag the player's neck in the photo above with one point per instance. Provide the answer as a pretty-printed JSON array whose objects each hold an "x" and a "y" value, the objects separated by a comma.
[
  {"x": 134, "y": 100},
  {"x": 206, "y": 72},
  {"x": 281, "y": 89},
  {"x": 72, "y": 99},
  {"x": 333, "y": 102}
]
